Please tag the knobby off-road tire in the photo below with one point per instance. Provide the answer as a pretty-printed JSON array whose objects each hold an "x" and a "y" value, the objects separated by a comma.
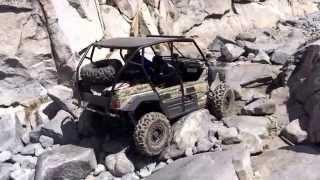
[
  {"x": 152, "y": 133},
  {"x": 101, "y": 72},
  {"x": 221, "y": 101}
]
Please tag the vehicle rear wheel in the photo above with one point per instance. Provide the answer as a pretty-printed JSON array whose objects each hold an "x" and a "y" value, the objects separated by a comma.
[
  {"x": 101, "y": 72},
  {"x": 152, "y": 133},
  {"x": 221, "y": 101}
]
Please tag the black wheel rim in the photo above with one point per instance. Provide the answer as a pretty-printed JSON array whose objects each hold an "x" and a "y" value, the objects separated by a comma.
[{"x": 156, "y": 134}]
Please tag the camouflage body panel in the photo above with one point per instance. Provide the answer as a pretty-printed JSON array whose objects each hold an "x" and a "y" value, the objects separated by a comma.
[{"x": 131, "y": 97}]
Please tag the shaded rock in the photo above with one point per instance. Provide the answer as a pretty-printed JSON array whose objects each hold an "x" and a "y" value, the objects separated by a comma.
[
  {"x": 46, "y": 141},
  {"x": 229, "y": 135},
  {"x": 246, "y": 36},
  {"x": 251, "y": 124},
  {"x": 118, "y": 164},
  {"x": 115, "y": 145},
  {"x": 65, "y": 162},
  {"x": 216, "y": 165},
  {"x": 294, "y": 133},
  {"x": 191, "y": 128},
  {"x": 62, "y": 129},
  {"x": 295, "y": 162},
  {"x": 231, "y": 52},
  {"x": 11, "y": 130},
  {"x": 62, "y": 95},
  {"x": 35, "y": 135},
  {"x": 259, "y": 107},
  {"x": 5, "y": 156},
  {"x": 28, "y": 162},
  {"x": 279, "y": 58},
  {"x": 22, "y": 174}
]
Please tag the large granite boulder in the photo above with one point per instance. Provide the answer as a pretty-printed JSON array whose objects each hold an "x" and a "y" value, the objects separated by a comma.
[
  {"x": 295, "y": 162},
  {"x": 227, "y": 165},
  {"x": 65, "y": 162}
]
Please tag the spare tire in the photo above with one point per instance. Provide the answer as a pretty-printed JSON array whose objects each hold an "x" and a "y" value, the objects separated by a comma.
[{"x": 100, "y": 72}]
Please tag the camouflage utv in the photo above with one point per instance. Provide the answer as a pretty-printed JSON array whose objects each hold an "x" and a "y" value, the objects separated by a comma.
[{"x": 150, "y": 81}]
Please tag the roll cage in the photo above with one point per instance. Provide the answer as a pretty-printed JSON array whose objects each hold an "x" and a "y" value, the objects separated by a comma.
[{"x": 137, "y": 44}]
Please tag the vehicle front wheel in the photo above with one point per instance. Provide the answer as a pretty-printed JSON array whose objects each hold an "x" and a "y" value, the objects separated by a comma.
[
  {"x": 221, "y": 101},
  {"x": 152, "y": 133}
]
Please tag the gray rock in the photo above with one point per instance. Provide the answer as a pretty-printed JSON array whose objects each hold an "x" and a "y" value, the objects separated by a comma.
[
  {"x": 22, "y": 174},
  {"x": 246, "y": 36},
  {"x": 251, "y": 142},
  {"x": 35, "y": 135},
  {"x": 279, "y": 57},
  {"x": 105, "y": 176},
  {"x": 31, "y": 149},
  {"x": 46, "y": 141},
  {"x": 300, "y": 162},
  {"x": 65, "y": 162},
  {"x": 261, "y": 57},
  {"x": 11, "y": 131},
  {"x": 5, "y": 156},
  {"x": 119, "y": 165},
  {"x": 127, "y": 7},
  {"x": 242, "y": 165},
  {"x": 62, "y": 95},
  {"x": 259, "y": 107},
  {"x": 172, "y": 152},
  {"x": 191, "y": 128},
  {"x": 229, "y": 135},
  {"x": 294, "y": 133},
  {"x": 16, "y": 84},
  {"x": 5, "y": 169},
  {"x": 231, "y": 52},
  {"x": 159, "y": 166},
  {"x": 99, "y": 169},
  {"x": 251, "y": 124},
  {"x": 247, "y": 74},
  {"x": 188, "y": 152},
  {"x": 62, "y": 128},
  {"x": 213, "y": 166},
  {"x": 131, "y": 176},
  {"x": 204, "y": 145},
  {"x": 193, "y": 13},
  {"x": 28, "y": 162}
]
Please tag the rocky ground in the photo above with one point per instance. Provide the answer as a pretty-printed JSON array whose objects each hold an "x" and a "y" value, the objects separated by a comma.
[{"x": 270, "y": 58}]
